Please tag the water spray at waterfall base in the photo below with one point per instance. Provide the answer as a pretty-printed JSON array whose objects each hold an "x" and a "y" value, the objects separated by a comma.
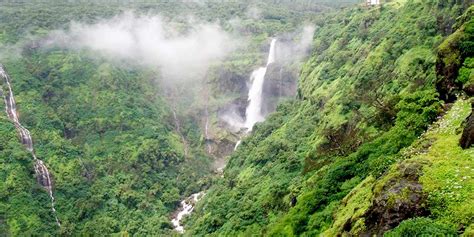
[{"x": 41, "y": 171}]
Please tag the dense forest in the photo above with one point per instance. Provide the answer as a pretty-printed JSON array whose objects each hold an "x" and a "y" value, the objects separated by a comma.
[{"x": 139, "y": 108}]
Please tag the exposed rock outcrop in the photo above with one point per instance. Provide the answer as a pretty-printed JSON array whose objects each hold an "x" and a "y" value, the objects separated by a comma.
[
  {"x": 469, "y": 89},
  {"x": 231, "y": 81},
  {"x": 280, "y": 82},
  {"x": 374, "y": 207},
  {"x": 447, "y": 67},
  {"x": 452, "y": 54},
  {"x": 398, "y": 198},
  {"x": 467, "y": 137}
]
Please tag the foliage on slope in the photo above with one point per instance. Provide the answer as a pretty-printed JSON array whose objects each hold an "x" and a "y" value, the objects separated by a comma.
[
  {"x": 105, "y": 129},
  {"x": 367, "y": 92},
  {"x": 18, "y": 188},
  {"x": 434, "y": 181},
  {"x": 119, "y": 166},
  {"x": 107, "y": 137}
]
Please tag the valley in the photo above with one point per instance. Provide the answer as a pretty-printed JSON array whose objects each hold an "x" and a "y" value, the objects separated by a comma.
[{"x": 237, "y": 118}]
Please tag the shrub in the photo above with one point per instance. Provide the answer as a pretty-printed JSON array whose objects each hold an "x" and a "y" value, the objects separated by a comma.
[{"x": 421, "y": 226}]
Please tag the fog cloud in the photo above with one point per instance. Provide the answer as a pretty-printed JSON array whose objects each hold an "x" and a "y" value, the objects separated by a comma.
[
  {"x": 151, "y": 41},
  {"x": 254, "y": 13},
  {"x": 307, "y": 37},
  {"x": 9, "y": 51},
  {"x": 298, "y": 47}
]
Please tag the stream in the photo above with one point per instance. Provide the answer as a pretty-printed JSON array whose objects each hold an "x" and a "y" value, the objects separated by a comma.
[
  {"x": 187, "y": 206},
  {"x": 41, "y": 171}
]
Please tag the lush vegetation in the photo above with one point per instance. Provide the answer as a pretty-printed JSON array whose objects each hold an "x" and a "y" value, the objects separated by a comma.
[
  {"x": 122, "y": 154},
  {"x": 367, "y": 93},
  {"x": 370, "y": 144},
  {"x": 109, "y": 159}
]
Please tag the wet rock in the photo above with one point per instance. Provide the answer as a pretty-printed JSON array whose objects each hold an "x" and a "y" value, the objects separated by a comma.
[
  {"x": 467, "y": 137},
  {"x": 447, "y": 73},
  {"x": 279, "y": 82},
  {"x": 469, "y": 89}
]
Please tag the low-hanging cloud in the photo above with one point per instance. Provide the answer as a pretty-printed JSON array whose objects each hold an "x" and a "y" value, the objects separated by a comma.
[
  {"x": 151, "y": 41},
  {"x": 296, "y": 49},
  {"x": 306, "y": 37}
]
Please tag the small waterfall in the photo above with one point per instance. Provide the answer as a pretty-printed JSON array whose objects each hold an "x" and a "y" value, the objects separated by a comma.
[
  {"x": 178, "y": 130},
  {"x": 206, "y": 131},
  {"x": 187, "y": 206},
  {"x": 253, "y": 113},
  {"x": 41, "y": 171},
  {"x": 237, "y": 144}
]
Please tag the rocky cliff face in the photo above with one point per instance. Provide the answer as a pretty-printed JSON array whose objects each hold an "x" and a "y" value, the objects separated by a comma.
[
  {"x": 401, "y": 197},
  {"x": 230, "y": 81},
  {"x": 280, "y": 82},
  {"x": 455, "y": 61},
  {"x": 467, "y": 137}
]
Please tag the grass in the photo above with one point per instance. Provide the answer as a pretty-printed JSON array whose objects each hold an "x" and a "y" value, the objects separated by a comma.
[
  {"x": 353, "y": 207},
  {"x": 449, "y": 180}
]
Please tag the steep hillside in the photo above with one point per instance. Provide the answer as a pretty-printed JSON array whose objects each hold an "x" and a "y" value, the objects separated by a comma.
[
  {"x": 373, "y": 133},
  {"x": 122, "y": 146},
  {"x": 346, "y": 154},
  {"x": 107, "y": 159}
]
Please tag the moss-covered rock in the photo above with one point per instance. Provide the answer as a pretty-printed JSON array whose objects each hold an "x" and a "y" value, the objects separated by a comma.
[
  {"x": 349, "y": 219},
  {"x": 398, "y": 196},
  {"x": 426, "y": 192},
  {"x": 454, "y": 64},
  {"x": 373, "y": 207}
]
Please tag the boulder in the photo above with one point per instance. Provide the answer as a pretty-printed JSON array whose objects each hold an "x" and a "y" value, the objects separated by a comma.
[{"x": 467, "y": 137}]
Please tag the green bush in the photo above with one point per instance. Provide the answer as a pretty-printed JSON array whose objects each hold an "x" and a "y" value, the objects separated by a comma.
[{"x": 421, "y": 226}]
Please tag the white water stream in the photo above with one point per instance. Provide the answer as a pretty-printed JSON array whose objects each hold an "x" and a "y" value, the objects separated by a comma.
[
  {"x": 42, "y": 174},
  {"x": 186, "y": 208}
]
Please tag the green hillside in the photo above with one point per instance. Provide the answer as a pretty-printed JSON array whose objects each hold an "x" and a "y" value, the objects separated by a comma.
[
  {"x": 334, "y": 160},
  {"x": 376, "y": 141}
]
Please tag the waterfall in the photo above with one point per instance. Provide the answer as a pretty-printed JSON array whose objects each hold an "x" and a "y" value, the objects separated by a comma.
[
  {"x": 178, "y": 130},
  {"x": 206, "y": 131},
  {"x": 41, "y": 171},
  {"x": 253, "y": 113},
  {"x": 237, "y": 144}
]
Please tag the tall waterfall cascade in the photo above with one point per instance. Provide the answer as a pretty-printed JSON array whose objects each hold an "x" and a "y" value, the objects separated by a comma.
[
  {"x": 253, "y": 112},
  {"x": 41, "y": 171}
]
